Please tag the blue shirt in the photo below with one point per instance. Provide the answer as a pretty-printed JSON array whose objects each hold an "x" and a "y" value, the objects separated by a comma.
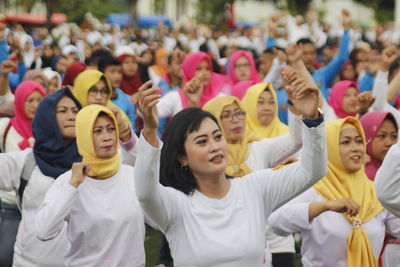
[
  {"x": 325, "y": 76},
  {"x": 282, "y": 105},
  {"x": 14, "y": 79},
  {"x": 122, "y": 101}
]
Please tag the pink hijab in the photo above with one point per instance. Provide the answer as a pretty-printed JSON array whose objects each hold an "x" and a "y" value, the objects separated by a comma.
[
  {"x": 336, "y": 97},
  {"x": 253, "y": 71},
  {"x": 371, "y": 122},
  {"x": 218, "y": 83},
  {"x": 240, "y": 89},
  {"x": 20, "y": 122}
]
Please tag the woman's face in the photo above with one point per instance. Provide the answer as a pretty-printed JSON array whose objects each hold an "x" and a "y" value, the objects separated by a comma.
[
  {"x": 98, "y": 94},
  {"x": 233, "y": 121},
  {"x": 384, "y": 139},
  {"x": 130, "y": 66},
  {"x": 66, "y": 111},
  {"x": 104, "y": 137},
  {"x": 349, "y": 73},
  {"x": 203, "y": 72},
  {"x": 242, "y": 69},
  {"x": 31, "y": 104},
  {"x": 53, "y": 85},
  {"x": 350, "y": 100},
  {"x": 352, "y": 149},
  {"x": 206, "y": 150},
  {"x": 266, "y": 108}
]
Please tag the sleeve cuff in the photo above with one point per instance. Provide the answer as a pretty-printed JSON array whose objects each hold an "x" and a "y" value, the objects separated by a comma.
[
  {"x": 128, "y": 145},
  {"x": 314, "y": 123}
]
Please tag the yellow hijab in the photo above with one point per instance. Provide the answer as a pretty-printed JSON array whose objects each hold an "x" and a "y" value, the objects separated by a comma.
[
  {"x": 99, "y": 168},
  {"x": 338, "y": 184},
  {"x": 250, "y": 100},
  {"x": 85, "y": 81},
  {"x": 237, "y": 153}
]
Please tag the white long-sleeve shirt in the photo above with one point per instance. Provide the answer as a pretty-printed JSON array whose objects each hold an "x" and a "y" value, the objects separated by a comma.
[
  {"x": 387, "y": 181},
  {"x": 324, "y": 239},
  {"x": 379, "y": 91},
  {"x": 269, "y": 152},
  {"x": 105, "y": 221},
  {"x": 29, "y": 251},
  {"x": 230, "y": 231}
]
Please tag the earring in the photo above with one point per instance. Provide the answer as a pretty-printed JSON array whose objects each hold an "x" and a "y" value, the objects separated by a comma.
[{"x": 184, "y": 167}]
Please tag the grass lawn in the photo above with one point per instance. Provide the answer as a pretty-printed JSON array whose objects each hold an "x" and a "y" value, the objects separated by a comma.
[{"x": 153, "y": 243}]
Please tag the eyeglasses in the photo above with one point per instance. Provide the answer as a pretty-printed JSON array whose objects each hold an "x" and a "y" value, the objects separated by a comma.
[
  {"x": 229, "y": 116},
  {"x": 103, "y": 92}
]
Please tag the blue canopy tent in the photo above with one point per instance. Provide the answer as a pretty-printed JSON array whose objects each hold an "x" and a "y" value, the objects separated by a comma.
[{"x": 144, "y": 21}]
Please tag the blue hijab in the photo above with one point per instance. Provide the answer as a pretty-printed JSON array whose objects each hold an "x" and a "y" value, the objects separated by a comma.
[{"x": 51, "y": 154}]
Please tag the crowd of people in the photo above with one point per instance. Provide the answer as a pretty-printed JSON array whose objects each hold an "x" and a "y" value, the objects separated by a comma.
[{"x": 227, "y": 141}]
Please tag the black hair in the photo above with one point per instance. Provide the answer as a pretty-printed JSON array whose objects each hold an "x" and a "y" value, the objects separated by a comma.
[
  {"x": 97, "y": 55},
  {"x": 103, "y": 114},
  {"x": 106, "y": 61},
  {"x": 305, "y": 41},
  {"x": 390, "y": 117},
  {"x": 171, "y": 172},
  {"x": 268, "y": 51}
]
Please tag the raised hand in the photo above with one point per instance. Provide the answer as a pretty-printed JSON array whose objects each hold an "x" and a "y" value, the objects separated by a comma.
[
  {"x": 294, "y": 53},
  {"x": 124, "y": 127},
  {"x": 288, "y": 75},
  {"x": 365, "y": 101},
  {"x": 346, "y": 19},
  {"x": 79, "y": 172},
  {"x": 148, "y": 98},
  {"x": 345, "y": 205},
  {"x": 2, "y": 31},
  {"x": 7, "y": 66},
  {"x": 305, "y": 98},
  {"x": 193, "y": 91},
  {"x": 273, "y": 24},
  {"x": 389, "y": 55}
]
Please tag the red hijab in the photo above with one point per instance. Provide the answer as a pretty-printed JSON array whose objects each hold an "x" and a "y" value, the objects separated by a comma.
[
  {"x": 20, "y": 122},
  {"x": 218, "y": 83},
  {"x": 372, "y": 122},
  {"x": 129, "y": 84},
  {"x": 336, "y": 97},
  {"x": 253, "y": 71},
  {"x": 72, "y": 72}
]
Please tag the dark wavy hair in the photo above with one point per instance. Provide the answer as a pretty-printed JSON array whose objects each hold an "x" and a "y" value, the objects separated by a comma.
[{"x": 171, "y": 172}]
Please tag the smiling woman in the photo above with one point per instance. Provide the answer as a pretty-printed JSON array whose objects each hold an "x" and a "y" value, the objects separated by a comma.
[
  {"x": 208, "y": 218},
  {"x": 341, "y": 211}
]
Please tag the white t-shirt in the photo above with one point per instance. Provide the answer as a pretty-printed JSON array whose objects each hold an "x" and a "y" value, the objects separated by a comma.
[
  {"x": 229, "y": 231},
  {"x": 105, "y": 221},
  {"x": 7, "y": 98}
]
